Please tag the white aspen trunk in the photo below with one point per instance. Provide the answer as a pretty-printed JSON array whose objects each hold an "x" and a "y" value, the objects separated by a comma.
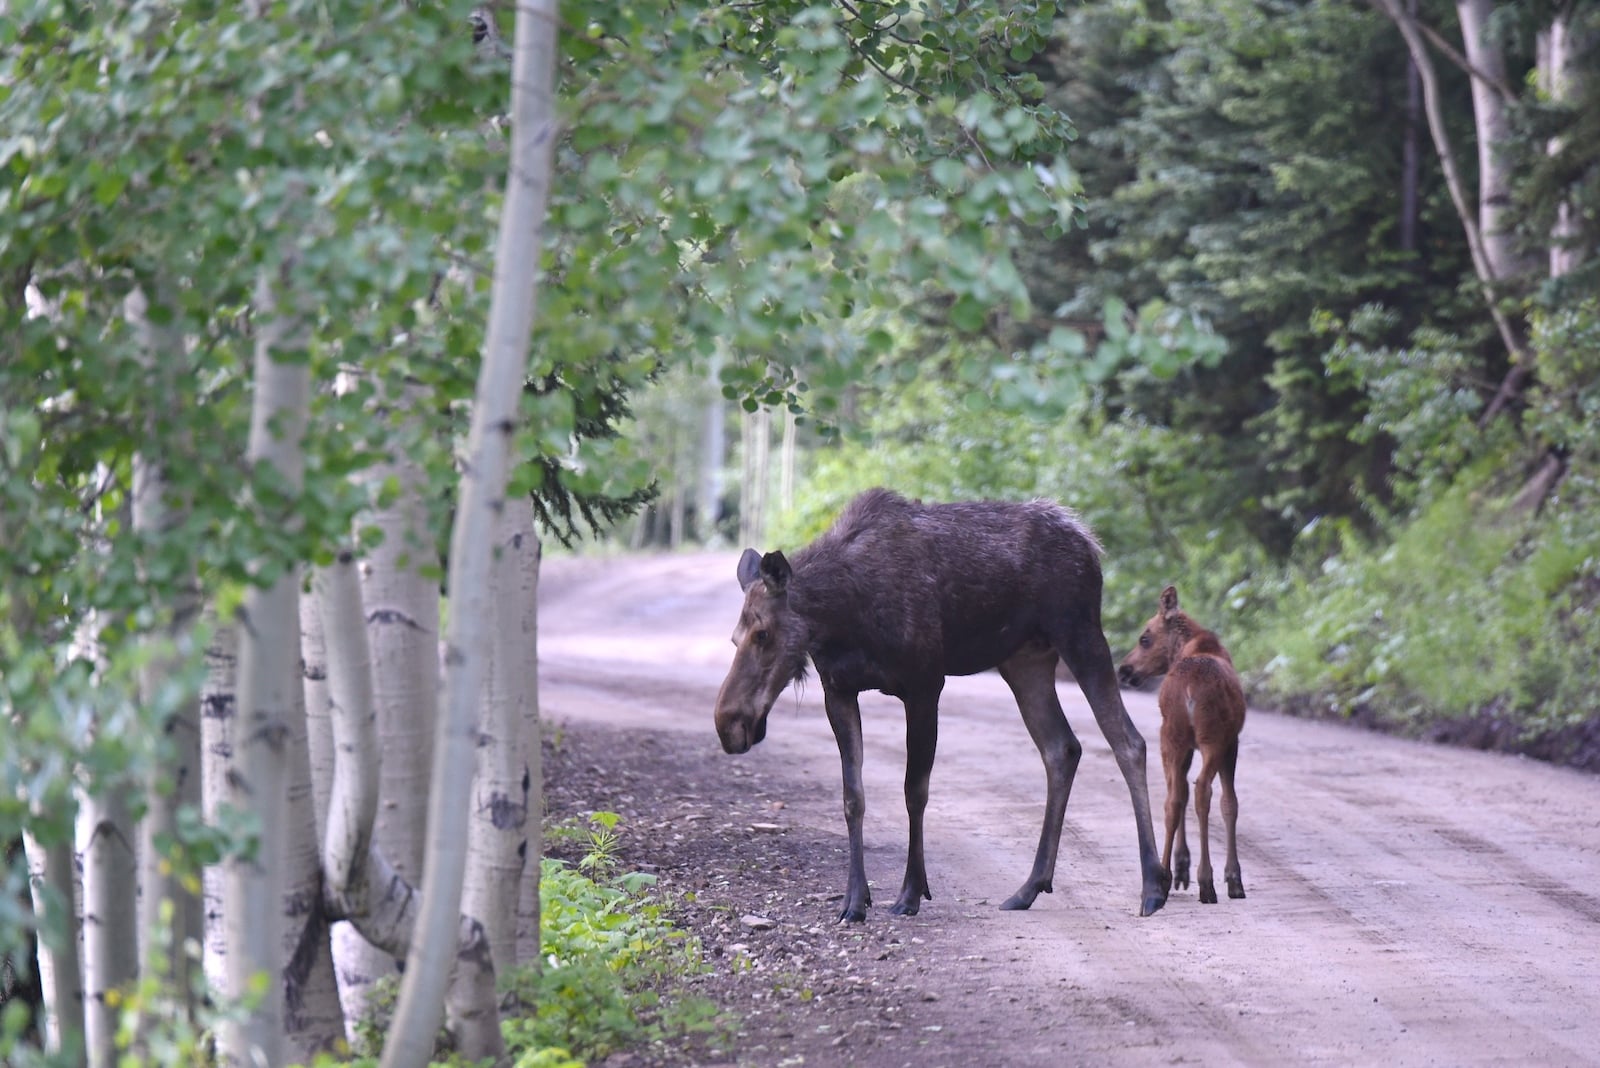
[
  {"x": 402, "y": 622},
  {"x": 313, "y": 1018},
  {"x": 483, "y": 481},
  {"x": 679, "y": 502},
  {"x": 269, "y": 701},
  {"x": 359, "y": 883},
  {"x": 1556, "y": 70},
  {"x": 1483, "y": 267},
  {"x": 791, "y": 434},
  {"x": 353, "y": 796},
  {"x": 319, "y": 717},
  {"x": 498, "y": 840},
  {"x": 529, "y": 932},
  {"x": 50, "y": 878},
  {"x": 174, "y": 783},
  {"x": 109, "y": 870},
  {"x": 218, "y": 706},
  {"x": 1492, "y": 120},
  {"x": 756, "y": 434},
  {"x": 110, "y": 914},
  {"x": 713, "y": 455}
]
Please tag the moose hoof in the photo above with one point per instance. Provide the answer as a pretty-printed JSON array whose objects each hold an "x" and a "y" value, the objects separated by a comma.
[
  {"x": 1208, "y": 892},
  {"x": 1235, "y": 886},
  {"x": 850, "y": 915},
  {"x": 1152, "y": 903}
]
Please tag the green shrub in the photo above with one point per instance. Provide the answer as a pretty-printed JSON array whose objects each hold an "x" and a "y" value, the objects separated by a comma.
[{"x": 612, "y": 966}]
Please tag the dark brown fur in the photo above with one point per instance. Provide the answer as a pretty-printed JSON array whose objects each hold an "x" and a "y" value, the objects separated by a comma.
[
  {"x": 1202, "y": 707},
  {"x": 897, "y": 596}
]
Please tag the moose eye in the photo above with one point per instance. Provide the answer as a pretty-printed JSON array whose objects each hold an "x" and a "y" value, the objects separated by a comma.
[
  {"x": 761, "y": 637},
  {"x": 1144, "y": 641}
]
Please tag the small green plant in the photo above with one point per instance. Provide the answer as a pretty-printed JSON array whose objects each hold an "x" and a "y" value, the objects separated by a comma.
[{"x": 613, "y": 966}]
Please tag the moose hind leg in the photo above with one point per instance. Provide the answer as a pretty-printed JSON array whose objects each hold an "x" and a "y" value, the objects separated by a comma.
[
  {"x": 1202, "y": 811},
  {"x": 1082, "y": 644},
  {"x": 922, "y": 738},
  {"x": 1032, "y": 678},
  {"x": 844, "y": 716},
  {"x": 1176, "y": 865},
  {"x": 1230, "y": 819}
]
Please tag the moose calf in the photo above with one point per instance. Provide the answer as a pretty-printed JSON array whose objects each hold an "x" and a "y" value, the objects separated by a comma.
[{"x": 1202, "y": 707}]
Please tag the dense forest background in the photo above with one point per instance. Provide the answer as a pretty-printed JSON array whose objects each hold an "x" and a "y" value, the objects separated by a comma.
[{"x": 1370, "y": 460}]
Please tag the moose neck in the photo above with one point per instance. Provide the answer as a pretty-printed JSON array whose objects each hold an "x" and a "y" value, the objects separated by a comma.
[{"x": 1203, "y": 642}]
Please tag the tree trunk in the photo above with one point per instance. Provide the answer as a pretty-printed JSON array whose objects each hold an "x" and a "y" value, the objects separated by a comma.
[
  {"x": 1492, "y": 121},
  {"x": 218, "y": 708},
  {"x": 1411, "y": 151},
  {"x": 498, "y": 839},
  {"x": 713, "y": 456},
  {"x": 110, "y": 913},
  {"x": 319, "y": 716},
  {"x": 354, "y": 868},
  {"x": 483, "y": 481},
  {"x": 402, "y": 606},
  {"x": 166, "y": 903},
  {"x": 528, "y": 903},
  {"x": 791, "y": 434},
  {"x": 313, "y": 1018},
  {"x": 50, "y": 876},
  {"x": 269, "y": 700},
  {"x": 1483, "y": 266},
  {"x": 756, "y": 433},
  {"x": 1557, "y": 53}
]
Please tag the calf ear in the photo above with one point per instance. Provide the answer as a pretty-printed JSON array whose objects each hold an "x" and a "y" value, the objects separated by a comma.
[
  {"x": 1169, "y": 600},
  {"x": 749, "y": 568},
  {"x": 775, "y": 573}
]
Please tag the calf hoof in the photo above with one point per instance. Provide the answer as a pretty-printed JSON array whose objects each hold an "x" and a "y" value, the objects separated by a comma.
[
  {"x": 1166, "y": 883},
  {"x": 1236, "y": 886},
  {"x": 1208, "y": 892}
]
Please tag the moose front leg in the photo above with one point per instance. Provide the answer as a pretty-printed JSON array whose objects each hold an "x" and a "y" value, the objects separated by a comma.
[
  {"x": 922, "y": 738},
  {"x": 844, "y": 716}
]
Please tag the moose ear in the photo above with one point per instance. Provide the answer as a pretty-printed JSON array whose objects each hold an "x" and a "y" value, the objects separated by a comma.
[
  {"x": 749, "y": 569},
  {"x": 775, "y": 573},
  {"x": 1169, "y": 600}
]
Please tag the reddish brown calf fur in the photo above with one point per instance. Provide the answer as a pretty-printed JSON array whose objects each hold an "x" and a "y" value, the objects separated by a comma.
[{"x": 1202, "y": 707}]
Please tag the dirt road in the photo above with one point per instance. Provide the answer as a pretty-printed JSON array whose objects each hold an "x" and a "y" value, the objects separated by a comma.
[{"x": 1407, "y": 904}]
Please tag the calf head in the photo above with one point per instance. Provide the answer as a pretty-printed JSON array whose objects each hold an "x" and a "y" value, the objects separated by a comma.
[
  {"x": 1160, "y": 643},
  {"x": 769, "y": 651}
]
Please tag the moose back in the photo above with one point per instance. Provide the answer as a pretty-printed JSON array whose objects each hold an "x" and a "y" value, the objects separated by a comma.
[{"x": 897, "y": 596}]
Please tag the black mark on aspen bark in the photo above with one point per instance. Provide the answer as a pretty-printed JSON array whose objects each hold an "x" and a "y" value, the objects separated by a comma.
[{"x": 391, "y": 617}]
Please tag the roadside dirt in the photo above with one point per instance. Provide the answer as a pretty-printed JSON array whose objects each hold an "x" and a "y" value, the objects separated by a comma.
[{"x": 1408, "y": 904}]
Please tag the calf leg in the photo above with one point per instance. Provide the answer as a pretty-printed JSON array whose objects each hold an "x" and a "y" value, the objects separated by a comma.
[
  {"x": 1176, "y": 867},
  {"x": 844, "y": 716},
  {"x": 922, "y": 738},
  {"x": 1202, "y": 811},
  {"x": 1032, "y": 678},
  {"x": 1230, "y": 817},
  {"x": 1082, "y": 644}
]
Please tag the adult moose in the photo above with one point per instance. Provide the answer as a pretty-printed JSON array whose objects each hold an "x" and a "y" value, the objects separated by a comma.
[{"x": 897, "y": 596}]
